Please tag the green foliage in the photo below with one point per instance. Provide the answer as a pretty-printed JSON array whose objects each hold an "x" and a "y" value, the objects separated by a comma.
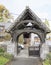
[
  {"x": 1, "y": 19},
  {"x": 1, "y": 54},
  {"x": 20, "y": 40},
  {"x": 4, "y": 14},
  {"x": 3, "y": 60},
  {"x": 7, "y": 37},
  {"x": 2, "y": 50},
  {"x": 47, "y": 60},
  {"x": 8, "y": 56},
  {"x": 4, "y": 54},
  {"x": 46, "y": 22},
  {"x": 4, "y": 57}
]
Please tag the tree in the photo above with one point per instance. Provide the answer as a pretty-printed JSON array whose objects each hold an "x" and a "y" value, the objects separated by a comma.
[
  {"x": 47, "y": 22},
  {"x": 20, "y": 39},
  {"x": 4, "y": 14},
  {"x": 7, "y": 36}
]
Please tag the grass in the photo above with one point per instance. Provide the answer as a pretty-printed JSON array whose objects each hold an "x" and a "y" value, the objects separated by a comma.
[
  {"x": 3, "y": 60},
  {"x": 47, "y": 61},
  {"x": 4, "y": 57}
]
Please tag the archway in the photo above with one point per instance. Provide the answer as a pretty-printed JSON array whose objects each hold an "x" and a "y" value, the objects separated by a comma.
[
  {"x": 28, "y": 22},
  {"x": 25, "y": 41}
]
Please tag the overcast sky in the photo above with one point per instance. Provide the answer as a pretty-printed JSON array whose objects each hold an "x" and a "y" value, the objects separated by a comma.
[{"x": 42, "y": 8}]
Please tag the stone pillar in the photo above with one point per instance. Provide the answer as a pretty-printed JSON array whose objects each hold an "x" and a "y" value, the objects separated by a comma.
[
  {"x": 44, "y": 50},
  {"x": 15, "y": 43},
  {"x": 15, "y": 49}
]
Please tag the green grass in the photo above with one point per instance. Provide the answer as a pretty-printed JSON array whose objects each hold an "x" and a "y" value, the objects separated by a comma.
[
  {"x": 3, "y": 60},
  {"x": 47, "y": 61}
]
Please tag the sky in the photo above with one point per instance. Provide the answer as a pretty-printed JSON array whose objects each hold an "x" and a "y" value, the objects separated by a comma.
[{"x": 42, "y": 8}]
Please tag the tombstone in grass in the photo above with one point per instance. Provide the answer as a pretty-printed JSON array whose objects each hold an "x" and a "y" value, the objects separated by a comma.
[
  {"x": 10, "y": 48},
  {"x": 44, "y": 51}
]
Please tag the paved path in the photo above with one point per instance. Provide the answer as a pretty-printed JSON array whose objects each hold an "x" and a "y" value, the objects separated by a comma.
[
  {"x": 23, "y": 53},
  {"x": 26, "y": 61}
]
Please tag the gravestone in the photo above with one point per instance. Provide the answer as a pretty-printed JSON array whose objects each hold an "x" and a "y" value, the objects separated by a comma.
[{"x": 10, "y": 48}]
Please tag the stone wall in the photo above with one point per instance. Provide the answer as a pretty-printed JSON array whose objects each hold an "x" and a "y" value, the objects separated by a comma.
[{"x": 44, "y": 50}]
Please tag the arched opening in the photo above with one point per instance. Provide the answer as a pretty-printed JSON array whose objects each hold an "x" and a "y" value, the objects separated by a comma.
[{"x": 26, "y": 40}]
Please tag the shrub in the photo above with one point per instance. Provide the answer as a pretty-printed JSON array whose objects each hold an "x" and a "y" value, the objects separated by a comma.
[
  {"x": 1, "y": 54},
  {"x": 47, "y": 61},
  {"x": 3, "y": 60},
  {"x": 49, "y": 58},
  {"x": 7, "y": 37},
  {"x": 2, "y": 50},
  {"x": 8, "y": 56}
]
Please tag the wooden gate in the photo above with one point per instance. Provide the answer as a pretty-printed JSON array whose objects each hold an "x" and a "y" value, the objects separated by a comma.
[{"x": 34, "y": 51}]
